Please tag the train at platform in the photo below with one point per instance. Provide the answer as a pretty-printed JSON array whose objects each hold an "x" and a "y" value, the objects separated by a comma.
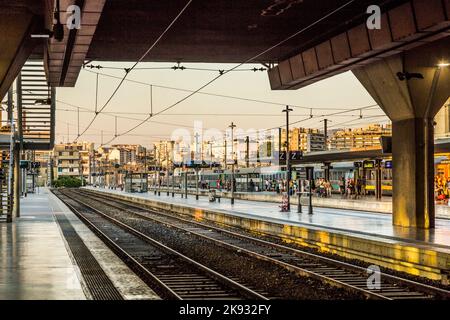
[{"x": 253, "y": 179}]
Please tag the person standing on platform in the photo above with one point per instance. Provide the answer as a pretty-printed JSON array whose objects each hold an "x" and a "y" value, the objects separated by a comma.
[
  {"x": 342, "y": 186},
  {"x": 328, "y": 188}
]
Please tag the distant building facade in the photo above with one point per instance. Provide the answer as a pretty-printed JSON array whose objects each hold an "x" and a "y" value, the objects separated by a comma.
[
  {"x": 303, "y": 139},
  {"x": 72, "y": 159},
  {"x": 359, "y": 138}
]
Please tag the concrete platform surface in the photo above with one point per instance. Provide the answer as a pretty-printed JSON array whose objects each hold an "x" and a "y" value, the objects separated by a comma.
[
  {"x": 340, "y": 220},
  {"x": 365, "y": 203},
  {"x": 360, "y": 235},
  {"x": 36, "y": 262}
]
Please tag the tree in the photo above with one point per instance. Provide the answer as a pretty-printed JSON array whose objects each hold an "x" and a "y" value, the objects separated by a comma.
[{"x": 67, "y": 182}]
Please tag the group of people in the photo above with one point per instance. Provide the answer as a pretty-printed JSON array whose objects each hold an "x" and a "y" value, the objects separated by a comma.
[
  {"x": 280, "y": 185},
  {"x": 352, "y": 188},
  {"x": 321, "y": 187}
]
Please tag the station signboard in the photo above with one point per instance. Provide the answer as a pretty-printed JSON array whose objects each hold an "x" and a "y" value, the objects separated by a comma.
[
  {"x": 369, "y": 164},
  {"x": 24, "y": 164},
  {"x": 35, "y": 164},
  {"x": 294, "y": 155},
  {"x": 388, "y": 164},
  {"x": 357, "y": 164}
]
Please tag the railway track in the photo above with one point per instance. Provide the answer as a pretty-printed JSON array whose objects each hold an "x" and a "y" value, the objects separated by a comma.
[
  {"x": 171, "y": 274},
  {"x": 334, "y": 272}
]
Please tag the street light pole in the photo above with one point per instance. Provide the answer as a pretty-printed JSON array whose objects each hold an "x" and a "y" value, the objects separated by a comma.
[
  {"x": 167, "y": 170},
  {"x": 159, "y": 169},
  {"x": 154, "y": 168},
  {"x": 325, "y": 131},
  {"x": 172, "y": 145},
  {"x": 232, "y": 126},
  {"x": 210, "y": 153},
  {"x": 288, "y": 162}
]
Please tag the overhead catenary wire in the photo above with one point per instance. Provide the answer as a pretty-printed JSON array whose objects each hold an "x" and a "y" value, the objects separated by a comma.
[
  {"x": 211, "y": 114},
  {"x": 237, "y": 66},
  {"x": 112, "y": 114},
  {"x": 176, "y": 67},
  {"x": 136, "y": 63},
  {"x": 356, "y": 120},
  {"x": 220, "y": 95},
  {"x": 322, "y": 116}
]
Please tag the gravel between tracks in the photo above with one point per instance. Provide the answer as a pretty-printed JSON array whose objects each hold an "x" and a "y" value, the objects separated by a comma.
[{"x": 264, "y": 276}]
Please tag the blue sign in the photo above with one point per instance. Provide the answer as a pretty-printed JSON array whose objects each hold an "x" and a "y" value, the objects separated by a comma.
[{"x": 388, "y": 164}]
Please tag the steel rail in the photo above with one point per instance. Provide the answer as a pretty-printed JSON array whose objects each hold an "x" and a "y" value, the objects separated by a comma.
[
  {"x": 243, "y": 290},
  {"x": 360, "y": 270}
]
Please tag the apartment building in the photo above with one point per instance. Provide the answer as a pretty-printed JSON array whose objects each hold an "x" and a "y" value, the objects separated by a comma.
[
  {"x": 43, "y": 172},
  {"x": 360, "y": 138},
  {"x": 127, "y": 154},
  {"x": 72, "y": 159},
  {"x": 303, "y": 139}
]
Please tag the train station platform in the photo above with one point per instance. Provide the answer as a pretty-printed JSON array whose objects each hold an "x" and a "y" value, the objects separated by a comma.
[
  {"x": 364, "y": 203},
  {"x": 43, "y": 256},
  {"x": 362, "y": 235}
]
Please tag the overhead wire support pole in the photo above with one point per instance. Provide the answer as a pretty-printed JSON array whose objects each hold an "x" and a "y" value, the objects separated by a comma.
[
  {"x": 151, "y": 100},
  {"x": 78, "y": 122},
  {"x": 96, "y": 93},
  {"x": 128, "y": 70},
  {"x": 232, "y": 126},
  {"x": 115, "y": 126},
  {"x": 325, "y": 131},
  {"x": 302, "y": 30},
  {"x": 288, "y": 158},
  {"x": 167, "y": 170},
  {"x": 172, "y": 145},
  {"x": 197, "y": 135}
]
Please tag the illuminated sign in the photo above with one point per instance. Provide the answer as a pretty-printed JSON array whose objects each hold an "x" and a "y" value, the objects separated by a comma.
[{"x": 369, "y": 164}]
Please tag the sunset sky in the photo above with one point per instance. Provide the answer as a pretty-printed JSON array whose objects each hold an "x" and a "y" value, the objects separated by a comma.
[{"x": 132, "y": 100}]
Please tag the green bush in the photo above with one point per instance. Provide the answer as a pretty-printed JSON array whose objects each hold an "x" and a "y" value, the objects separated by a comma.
[{"x": 67, "y": 182}]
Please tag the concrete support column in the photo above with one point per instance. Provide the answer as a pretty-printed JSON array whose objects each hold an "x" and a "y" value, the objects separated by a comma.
[
  {"x": 17, "y": 178},
  {"x": 413, "y": 173},
  {"x": 411, "y": 88}
]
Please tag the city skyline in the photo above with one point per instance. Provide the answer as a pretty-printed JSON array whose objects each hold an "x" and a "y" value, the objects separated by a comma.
[{"x": 213, "y": 111}]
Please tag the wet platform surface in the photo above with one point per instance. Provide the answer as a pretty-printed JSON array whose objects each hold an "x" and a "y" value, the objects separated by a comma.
[
  {"x": 365, "y": 203},
  {"x": 35, "y": 262},
  {"x": 359, "y": 223}
]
